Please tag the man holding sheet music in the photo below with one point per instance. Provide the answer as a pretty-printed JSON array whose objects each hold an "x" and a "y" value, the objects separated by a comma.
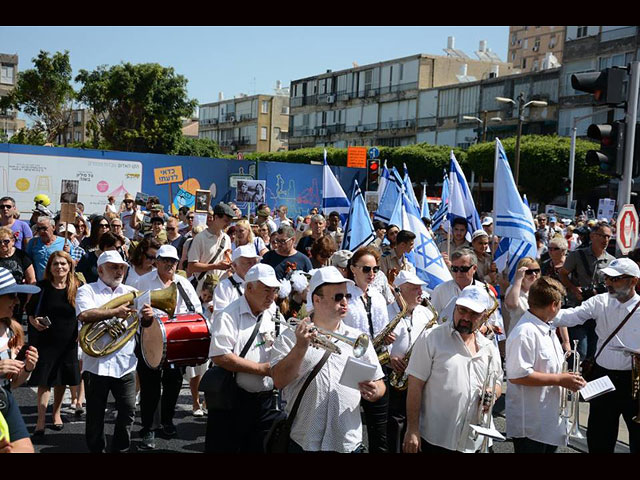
[{"x": 610, "y": 310}]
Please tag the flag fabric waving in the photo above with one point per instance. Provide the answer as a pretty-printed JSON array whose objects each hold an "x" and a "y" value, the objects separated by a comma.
[
  {"x": 382, "y": 180},
  {"x": 424, "y": 206},
  {"x": 408, "y": 187},
  {"x": 358, "y": 231},
  {"x": 440, "y": 216},
  {"x": 333, "y": 196},
  {"x": 387, "y": 202},
  {"x": 460, "y": 200}
]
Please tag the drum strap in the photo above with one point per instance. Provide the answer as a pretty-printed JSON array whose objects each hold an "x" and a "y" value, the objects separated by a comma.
[{"x": 185, "y": 297}]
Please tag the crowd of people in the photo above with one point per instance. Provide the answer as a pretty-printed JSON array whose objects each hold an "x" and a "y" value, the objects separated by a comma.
[{"x": 431, "y": 359}]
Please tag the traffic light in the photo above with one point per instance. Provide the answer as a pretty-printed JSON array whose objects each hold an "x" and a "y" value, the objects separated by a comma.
[
  {"x": 566, "y": 183},
  {"x": 373, "y": 171},
  {"x": 610, "y": 157},
  {"x": 606, "y": 85}
]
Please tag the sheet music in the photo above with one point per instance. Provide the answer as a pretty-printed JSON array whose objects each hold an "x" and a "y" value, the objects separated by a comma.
[
  {"x": 139, "y": 302},
  {"x": 356, "y": 371},
  {"x": 597, "y": 387}
]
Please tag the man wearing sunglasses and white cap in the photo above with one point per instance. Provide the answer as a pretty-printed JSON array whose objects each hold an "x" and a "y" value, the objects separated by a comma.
[
  {"x": 328, "y": 418},
  {"x": 610, "y": 310},
  {"x": 446, "y": 375},
  {"x": 250, "y": 317},
  {"x": 115, "y": 372},
  {"x": 232, "y": 288}
]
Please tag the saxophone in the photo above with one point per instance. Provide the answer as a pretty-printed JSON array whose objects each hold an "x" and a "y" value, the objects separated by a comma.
[
  {"x": 399, "y": 380},
  {"x": 378, "y": 342}
]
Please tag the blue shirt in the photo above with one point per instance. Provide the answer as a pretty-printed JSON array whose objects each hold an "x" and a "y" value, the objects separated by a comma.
[
  {"x": 17, "y": 428},
  {"x": 40, "y": 253},
  {"x": 21, "y": 231}
]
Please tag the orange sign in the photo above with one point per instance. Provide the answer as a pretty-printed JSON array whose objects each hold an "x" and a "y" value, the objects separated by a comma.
[
  {"x": 357, "y": 157},
  {"x": 166, "y": 175}
]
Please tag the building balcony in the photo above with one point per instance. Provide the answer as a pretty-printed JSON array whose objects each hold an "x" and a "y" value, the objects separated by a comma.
[
  {"x": 618, "y": 33},
  {"x": 395, "y": 124}
]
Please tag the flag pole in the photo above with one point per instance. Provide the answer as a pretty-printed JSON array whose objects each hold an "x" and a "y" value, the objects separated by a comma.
[{"x": 493, "y": 211}]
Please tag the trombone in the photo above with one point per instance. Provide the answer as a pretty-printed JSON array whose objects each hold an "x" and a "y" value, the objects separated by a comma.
[
  {"x": 570, "y": 409},
  {"x": 323, "y": 337}
]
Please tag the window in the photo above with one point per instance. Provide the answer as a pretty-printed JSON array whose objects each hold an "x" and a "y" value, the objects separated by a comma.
[
  {"x": 265, "y": 106},
  {"x": 401, "y": 71},
  {"x": 582, "y": 32},
  {"x": 263, "y": 133},
  {"x": 514, "y": 37},
  {"x": 513, "y": 56},
  {"x": 526, "y": 43},
  {"x": 535, "y": 65},
  {"x": 552, "y": 42},
  {"x": 524, "y": 63},
  {"x": 285, "y": 110},
  {"x": 6, "y": 74},
  {"x": 536, "y": 45}
]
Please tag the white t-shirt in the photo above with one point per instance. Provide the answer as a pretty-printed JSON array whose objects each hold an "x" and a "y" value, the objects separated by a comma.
[
  {"x": 128, "y": 230},
  {"x": 515, "y": 314}
]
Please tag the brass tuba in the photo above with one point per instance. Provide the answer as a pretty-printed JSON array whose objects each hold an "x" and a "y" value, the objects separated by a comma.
[{"x": 118, "y": 329}]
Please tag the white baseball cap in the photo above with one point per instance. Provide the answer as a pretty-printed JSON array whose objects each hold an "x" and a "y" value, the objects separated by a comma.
[
  {"x": 263, "y": 273},
  {"x": 70, "y": 228},
  {"x": 322, "y": 276},
  {"x": 341, "y": 258},
  {"x": 246, "y": 251},
  {"x": 487, "y": 221},
  {"x": 474, "y": 297},
  {"x": 168, "y": 251},
  {"x": 407, "y": 276},
  {"x": 112, "y": 256},
  {"x": 622, "y": 266}
]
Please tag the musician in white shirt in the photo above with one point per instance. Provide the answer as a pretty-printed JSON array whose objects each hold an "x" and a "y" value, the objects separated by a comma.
[
  {"x": 114, "y": 372},
  {"x": 232, "y": 288},
  {"x": 447, "y": 371},
  {"x": 534, "y": 369},
  {"x": 328, "y": 418}
]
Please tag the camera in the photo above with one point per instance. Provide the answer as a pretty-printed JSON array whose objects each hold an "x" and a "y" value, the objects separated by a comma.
[{"x": 593, "y": 290}]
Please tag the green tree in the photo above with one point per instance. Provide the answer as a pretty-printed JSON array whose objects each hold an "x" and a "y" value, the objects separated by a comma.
[
  {"x": 45, "y": 94},
  {"x": 197, "y": 147},
  {"x": 137, "y": 108},
  {"x": 28, "y": 136}
]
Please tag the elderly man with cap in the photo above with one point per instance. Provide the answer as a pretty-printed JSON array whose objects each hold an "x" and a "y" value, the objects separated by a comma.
[
  {"x": 328, "y": 418},
  {"x": 617, "y": 319},
  {"x": 113, "y": 373},
  {"x": 241, "y": 341},
  {"x": 210, "y": 249},
  {"x": 157, "y": 411},
  {"x": 487, "y": 226},
  {"x": 68, "y": 231},
  {"x": 410, "y": 328},
  {"x": 263, "y": 215},
  {"x": 126, "y": 216},
  {"x": 447, "y": 371},
  {"x": 232, "y": 288}
]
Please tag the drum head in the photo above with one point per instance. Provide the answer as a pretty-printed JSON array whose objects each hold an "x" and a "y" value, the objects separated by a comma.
[{"x": 154, "y": 344}]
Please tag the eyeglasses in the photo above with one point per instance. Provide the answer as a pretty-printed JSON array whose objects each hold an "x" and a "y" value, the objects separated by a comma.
[
  {"x": 367, "y": 269},
  {"x": 608, "y": 237},
  {"x": 116, "y": 225},
  {"x": 6, "y": 241},
  {"x": 149, "y": 257},
  {"x": 281, "y": 242},
  {"x": 338, "y": 297},
  {"x": 554, "y": 248},
  {"x": 6, "y": 207},
  {"x": 42, "y": 229},
  {"x": 461, "y": 269},
  {"x": 173, "y": 261},
  {"x": 615, "y": 279},
  {"x": 128, "y": 201},
  {"x": 532, "y": 271}
]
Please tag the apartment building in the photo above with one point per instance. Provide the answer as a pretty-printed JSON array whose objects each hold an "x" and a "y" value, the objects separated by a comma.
[
  {"x": 258, "y": 123},
  {"x": 9, "y": 121},
  {"x": 76, "y": 131},
  {"x": 591, "y": 49},
  {"x": 378, "y": 104},
  {"x": 536, "y": 48}
]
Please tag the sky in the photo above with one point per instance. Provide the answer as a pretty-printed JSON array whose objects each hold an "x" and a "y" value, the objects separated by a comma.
[{"x": 249, "y": 60}]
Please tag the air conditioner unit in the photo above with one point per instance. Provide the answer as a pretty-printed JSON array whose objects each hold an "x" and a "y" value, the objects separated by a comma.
[{"x": 331, "y": 98}]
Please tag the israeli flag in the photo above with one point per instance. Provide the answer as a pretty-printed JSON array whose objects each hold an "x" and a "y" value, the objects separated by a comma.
[
  {"x": 513, "y": 219},
  {"x": 426, "y": 257},
  {"x": 461, "y": 202},
  {"x": 440, "y": 216},
  {"x": 382, "y": 180},
  {"x": 358, "y": 232},
  {"x": 333, "y": 196},
  {"x": 387, "y": 202},
  {"x": 408, "y": 187},
  {"x": 424, "y": 206}
]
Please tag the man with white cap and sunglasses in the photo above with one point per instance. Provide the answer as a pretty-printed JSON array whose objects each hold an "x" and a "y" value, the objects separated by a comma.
[
  {"x": 447, "y": 371},
  {"x": 232, "y": 288},
  {"x": 328, "y": 418},
  {"x": 115, "y": 372},
  {"x": 407, "y": 332},
  {"x": 156, "y": 410},
  {"x": 250, "y": 317},
  {"x": 616, "y": 308}
]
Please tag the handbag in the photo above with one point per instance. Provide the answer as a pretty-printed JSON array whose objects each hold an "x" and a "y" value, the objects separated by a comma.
[
  {"x": 195, "y": 280},
  {"x": 588, "y": 364},
  {"x": 277, "y": 440},
  {"x": 219, "y": 384}
]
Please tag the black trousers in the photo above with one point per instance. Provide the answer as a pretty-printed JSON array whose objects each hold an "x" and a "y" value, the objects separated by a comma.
[
  {"x": 375, "y": 414},
  {"x": 158, "y": 408},
  {"x": 526, "y": 445},
  {"x": 243, "y": 429},
  {"x": 426, "y": 447},
  {"x": 97, "y": 390},
  {"x": 605, "y": 411},
  {"x": 397, "y": 421}
]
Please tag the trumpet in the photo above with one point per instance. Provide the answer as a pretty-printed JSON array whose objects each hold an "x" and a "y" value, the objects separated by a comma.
[
  {"x": 570, "y": 409},
  {"x": 484, "y": 418},
  {"x": 399, "y": 381},
  {"x": 323, "y": 337},
  {"x": 378, "y": 341}
]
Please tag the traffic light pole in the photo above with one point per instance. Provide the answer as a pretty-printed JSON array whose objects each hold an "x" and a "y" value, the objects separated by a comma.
[{"x": 624, "y": 188}]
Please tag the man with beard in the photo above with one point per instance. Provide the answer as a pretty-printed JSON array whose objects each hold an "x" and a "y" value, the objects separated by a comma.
[
  {"x": 446, "y": 375},
  {"x": 610, "y": 310}
]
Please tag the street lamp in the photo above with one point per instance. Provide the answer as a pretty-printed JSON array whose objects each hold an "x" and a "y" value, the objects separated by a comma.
[
  {"x": 471, "y": 118},
  {"x": 521, "y": 107}
]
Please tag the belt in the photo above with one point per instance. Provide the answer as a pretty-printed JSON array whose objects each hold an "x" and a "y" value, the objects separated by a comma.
[{"x": 614, "y": 374}]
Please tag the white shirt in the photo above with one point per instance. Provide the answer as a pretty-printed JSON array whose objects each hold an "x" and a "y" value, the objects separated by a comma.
[
  {"x": 151, "y": 281},
  {"x": 608, "y": 313},
  {"x": 444, "y": 292},
  {"x": 409, "y": 328},
  {"x": 225, "y": 293},
  {"x": 203, "y": 247},
  {"x": 454, "y": 380},
  {"x": 127, "y": 229},
  {"x": 132, "y": 277},
  {"x": 515, "y": 314},
  {"x": 357, "y": 314},
  {"x": 533, "y": 412},
  {"x": 328, "y": 418},
  {"x": 120, "y": 362},
  {"x": 231, "y": 331}
]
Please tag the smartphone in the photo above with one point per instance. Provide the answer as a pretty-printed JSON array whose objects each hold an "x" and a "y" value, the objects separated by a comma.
[
  {"x": 45, "y": 321},
  {"x": 22, "y": 354}
]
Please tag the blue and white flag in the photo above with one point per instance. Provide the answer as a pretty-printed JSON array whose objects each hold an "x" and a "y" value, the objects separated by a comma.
[
  {"x": 460, "y": 200},
  {"x": 440, "y": 216},
  {"x": 387, "y": 202},
  {"x": 408, "y": 187},
  {"x": 513, "y": 219},
  {"x": 358, "y": 232},
  {"x": 424, "y": 206},
  {"x": 333, "y": 196},
  {"x": 382, "y": 180},
  {"x": 526, "y": 201},
  {"x": 426, "y": 257}
]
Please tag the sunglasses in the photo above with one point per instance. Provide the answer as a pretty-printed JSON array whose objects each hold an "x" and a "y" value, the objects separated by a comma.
[
  {"x": 554, "y": 248},
  {"x": 461, "y": 269},
  {"x": 171, "y": 229},
  {"x": 6, "y": 241},
  {"x": 338, "y": 297},
  {"x": 6, "y": 207},
  {"x": 104, "y": 225},
  {"x": 367, "y": 269},
  {"x": 531, "y": 271},
  {"x": 190, "y": 218},
  {"x": 149, "y": 257}
]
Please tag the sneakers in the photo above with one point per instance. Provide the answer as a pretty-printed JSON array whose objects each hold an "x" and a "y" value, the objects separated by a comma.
[
  {"x": 198, "y": 413},
  {"x": 169, "y": 431},
  {"x": 148, "y": 441}
]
